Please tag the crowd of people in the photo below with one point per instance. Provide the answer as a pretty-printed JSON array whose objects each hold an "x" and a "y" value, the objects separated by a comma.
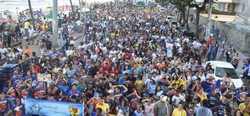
[{"x": 130, "y": 62}]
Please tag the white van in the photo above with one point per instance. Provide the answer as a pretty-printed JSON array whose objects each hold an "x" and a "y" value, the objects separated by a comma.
[{"x": 220, "y": 68}]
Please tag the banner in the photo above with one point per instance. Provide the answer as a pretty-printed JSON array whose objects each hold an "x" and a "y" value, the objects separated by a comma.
[
  {"x": 44, "y": 77},
  {"x": 53, "y": 108}
]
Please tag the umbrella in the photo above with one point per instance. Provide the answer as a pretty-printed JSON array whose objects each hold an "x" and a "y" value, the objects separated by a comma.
[
  {"x": 3, "y": 20},
  {"x": 38, "y": 13},
  {"x": 49, "y": 16},
  {"x": 7, "y": 12}
]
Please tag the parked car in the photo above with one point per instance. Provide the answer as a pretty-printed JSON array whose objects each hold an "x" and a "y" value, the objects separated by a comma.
[{"x": 221, "y": 68}]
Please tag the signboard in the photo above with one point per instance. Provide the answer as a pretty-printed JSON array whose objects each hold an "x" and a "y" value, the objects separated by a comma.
[
  {"x": 44, "y": 77},
  {"x": 53, "y": 108}
]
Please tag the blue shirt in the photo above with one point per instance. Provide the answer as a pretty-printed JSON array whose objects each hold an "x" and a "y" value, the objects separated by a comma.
[
  {"x": 122, "y": 80},
  {"x": 64, "y": 89},
  {"x": 77, "y": 93},
  {"x": 4, "y": 103},
  {"x": 18, "y": 110},
  {"x": 137, "y": 113}
]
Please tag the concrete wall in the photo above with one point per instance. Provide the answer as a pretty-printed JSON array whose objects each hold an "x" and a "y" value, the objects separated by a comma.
[{"x": 240, "y": 39}]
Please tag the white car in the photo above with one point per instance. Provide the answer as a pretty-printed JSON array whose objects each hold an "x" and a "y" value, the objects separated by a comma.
[{"x": 220, "y": 68}]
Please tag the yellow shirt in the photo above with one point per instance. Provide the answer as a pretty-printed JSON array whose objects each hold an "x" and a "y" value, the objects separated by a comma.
[
  {"x": 184, "y": 83},
  {"x": 103, "y": 106},
  {"x": 242, "y": 107},
  {"x": 26, "y": 25},
  {"x": 202, "y": 96},
  {"x": 178, "y": 112}
]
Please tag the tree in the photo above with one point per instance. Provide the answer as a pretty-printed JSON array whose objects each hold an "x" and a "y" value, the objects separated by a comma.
[
  {"x": 181, "y": 5},
  {"x": 72, "y": 8},
  {"x": 162, "y": 2},
  {"x": 199, "y": 8}
]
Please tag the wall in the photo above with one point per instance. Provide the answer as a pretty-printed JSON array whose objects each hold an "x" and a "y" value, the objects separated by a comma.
[{"x": 240, "y": 39}]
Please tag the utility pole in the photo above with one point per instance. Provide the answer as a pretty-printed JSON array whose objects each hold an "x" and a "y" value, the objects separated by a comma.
[
  {"x": 209, "y": 20},
  {"x": 31, "y": 14},
  {"x": 116, "y": 3},
  {"x": 55, "y": 24},
  {"x": 85, "y": 18}
]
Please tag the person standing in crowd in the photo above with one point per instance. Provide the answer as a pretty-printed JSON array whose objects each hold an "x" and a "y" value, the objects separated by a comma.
[
  {"x": 130, "y": 62},
  {"x": 203, "y": 110},
  {"x": 243, "y": 108},
  {"x": 179, "y": 111},
  {"x": 18, "y": 109},
  {"x": 27, "y": 28},
  {"x": 162, "y": 108}
]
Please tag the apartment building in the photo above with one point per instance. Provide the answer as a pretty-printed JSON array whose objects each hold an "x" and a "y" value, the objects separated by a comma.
[{"x": 230, "y": 5}]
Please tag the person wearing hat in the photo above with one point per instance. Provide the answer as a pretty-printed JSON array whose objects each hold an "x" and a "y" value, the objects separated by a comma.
[{"x": 162, "y": 108}]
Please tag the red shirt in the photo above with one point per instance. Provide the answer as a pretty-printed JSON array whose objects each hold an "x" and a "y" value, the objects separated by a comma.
[
  {"x": 209, "y": 41},
  {"x": 126, "y": 56},
  {"x": 35, "y": 69}
]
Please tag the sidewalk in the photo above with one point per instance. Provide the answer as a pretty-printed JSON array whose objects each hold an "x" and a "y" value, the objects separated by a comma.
[
  {"x": 241, "y": 55},
  {"x": 35, "y": 48}
]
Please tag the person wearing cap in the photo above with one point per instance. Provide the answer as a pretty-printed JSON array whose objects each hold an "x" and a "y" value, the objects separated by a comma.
[{"x": 162, "y": 108}]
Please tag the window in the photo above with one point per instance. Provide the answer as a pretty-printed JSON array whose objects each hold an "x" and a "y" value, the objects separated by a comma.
[{"x": 220, "y": 72}]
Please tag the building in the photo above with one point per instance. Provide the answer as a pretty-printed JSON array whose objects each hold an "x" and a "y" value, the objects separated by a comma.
[{"x": 230, "y": 5}]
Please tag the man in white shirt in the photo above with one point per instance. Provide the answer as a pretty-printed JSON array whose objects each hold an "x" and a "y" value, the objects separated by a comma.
[
  {"x": 70, "y": 51},
  {"x": 177, "y": 98},
  {"x": 3, "y": 50}
]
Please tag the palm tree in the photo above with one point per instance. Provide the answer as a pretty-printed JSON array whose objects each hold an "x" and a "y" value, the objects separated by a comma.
[{"x": 31, "y": 14}]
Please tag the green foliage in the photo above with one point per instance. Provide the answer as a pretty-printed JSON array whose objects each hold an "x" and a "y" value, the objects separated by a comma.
[
  {"x": 181, "y": 4},
  {"x": 162, "y": 2}
]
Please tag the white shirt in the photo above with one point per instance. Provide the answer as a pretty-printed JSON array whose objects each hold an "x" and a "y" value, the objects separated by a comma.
[
  {"x": 156, "y": 78},
  {"x": 177, "y": 99},
  {"x": 3, "y": 50},
  {"x": 69, "y": 52}
]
